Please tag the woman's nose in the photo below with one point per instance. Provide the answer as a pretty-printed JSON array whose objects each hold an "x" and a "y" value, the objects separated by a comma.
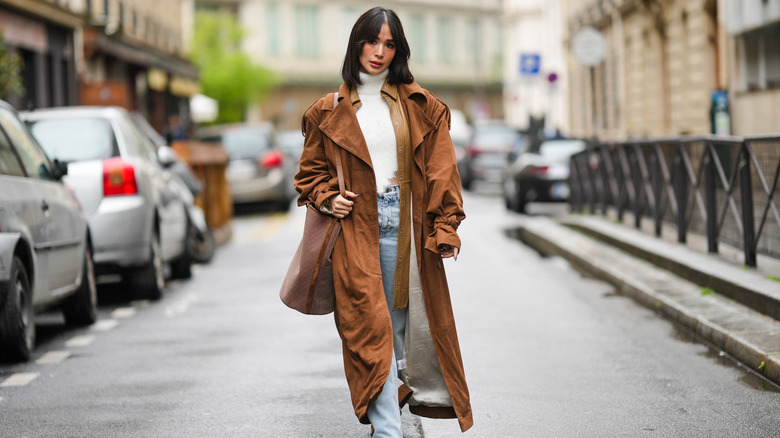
[{"x": 380, "y": 50}]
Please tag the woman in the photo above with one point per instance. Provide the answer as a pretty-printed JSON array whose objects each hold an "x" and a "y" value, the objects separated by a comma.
[{"x": 402, "y": 182}]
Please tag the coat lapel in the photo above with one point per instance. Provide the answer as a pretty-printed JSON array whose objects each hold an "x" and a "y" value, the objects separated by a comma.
[
  {"x": 342, "y": 127},
  {"x": 420, "y": 124}
]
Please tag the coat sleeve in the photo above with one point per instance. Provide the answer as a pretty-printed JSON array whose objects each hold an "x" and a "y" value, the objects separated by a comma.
[
  {"x": 445, "y": 202},
  {"x": 315, "y": 180}
]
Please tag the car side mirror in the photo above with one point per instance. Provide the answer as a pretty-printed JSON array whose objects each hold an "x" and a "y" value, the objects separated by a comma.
[
  {"x": 60, "y": 168},
  {"x": 166, "y": 156}
]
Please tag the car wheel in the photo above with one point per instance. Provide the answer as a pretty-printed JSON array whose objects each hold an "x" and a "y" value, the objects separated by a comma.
[
  {"x": 201, "y": 246},
  {"x": 81, "y": 308},
  {"x": 181, "y": 268},
  {"x": 17, "y": 320},
  {"x": 510, "y": 194},
  {"x": 148, "y": 281}
]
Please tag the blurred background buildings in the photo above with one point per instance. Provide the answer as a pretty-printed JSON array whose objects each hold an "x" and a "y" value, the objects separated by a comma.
[
  {"x": 101, "y": 52},
  {"x": 457, "y": 50},
  {"x": 652, "y": 67}
]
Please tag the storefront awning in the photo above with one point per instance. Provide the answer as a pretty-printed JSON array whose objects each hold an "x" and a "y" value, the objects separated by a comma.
[{"x": 144, "y": 56}]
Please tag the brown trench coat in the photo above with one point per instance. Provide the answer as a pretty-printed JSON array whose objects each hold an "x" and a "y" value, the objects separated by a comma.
[{"x": 361, "y": 314}]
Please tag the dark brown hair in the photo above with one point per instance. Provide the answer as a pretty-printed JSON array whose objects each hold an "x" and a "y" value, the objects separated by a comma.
[{"x": 366, "y": 29}]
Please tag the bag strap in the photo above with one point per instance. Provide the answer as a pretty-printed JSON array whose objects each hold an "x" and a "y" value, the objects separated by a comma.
[{"x": 339, "y": 171}]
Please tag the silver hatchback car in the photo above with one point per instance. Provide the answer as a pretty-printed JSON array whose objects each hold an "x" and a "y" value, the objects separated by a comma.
[
  {"x": 137, "y": 218},
  {"x": 45, "y": 253}
]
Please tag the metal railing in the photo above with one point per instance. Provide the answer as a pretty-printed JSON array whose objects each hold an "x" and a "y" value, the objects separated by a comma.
[{"x": 724, "y": 188}]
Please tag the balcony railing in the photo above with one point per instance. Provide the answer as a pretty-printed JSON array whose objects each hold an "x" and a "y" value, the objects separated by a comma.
[{"x": 724, "y": 188}]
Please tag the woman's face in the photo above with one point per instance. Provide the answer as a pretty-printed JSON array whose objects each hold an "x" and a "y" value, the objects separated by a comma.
[{"x": 377, "y": 54}]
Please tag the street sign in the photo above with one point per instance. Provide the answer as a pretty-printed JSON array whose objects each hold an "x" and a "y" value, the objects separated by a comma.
[
  {"x": 530, "y": 64},
  {"x": 589, "y": 46}
]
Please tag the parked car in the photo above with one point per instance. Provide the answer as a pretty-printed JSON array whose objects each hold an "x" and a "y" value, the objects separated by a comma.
[
  {"x": 137, "y": 218},
  {"x": 540, "y": 176},
  {"x": 259, "y": 170},
  {"x": 488, "y": 151},
  {"x": 460, "y": 132},
  {"x": 201, "y": 243},
  {"x": 291, "y": 142},
  {"x": 45, "y": 247}
]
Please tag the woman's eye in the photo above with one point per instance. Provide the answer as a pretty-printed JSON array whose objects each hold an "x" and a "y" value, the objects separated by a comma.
[{"x": 391, "y": 45}]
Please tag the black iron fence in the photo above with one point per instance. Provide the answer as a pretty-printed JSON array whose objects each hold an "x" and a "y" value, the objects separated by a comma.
[{"x": 724, "y": 188}]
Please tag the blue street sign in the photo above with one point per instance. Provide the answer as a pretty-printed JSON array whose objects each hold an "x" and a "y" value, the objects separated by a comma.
[{"x": 530, "y": 64}]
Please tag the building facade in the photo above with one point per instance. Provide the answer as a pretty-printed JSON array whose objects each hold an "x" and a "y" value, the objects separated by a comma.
[
  {"x": 101, "y": 52},
  {"x": 456, "y": 50},
  {"x": 534, "y": 67},
  {"x": 754, "y": 68},
  {"x": 663, "y": 62}
]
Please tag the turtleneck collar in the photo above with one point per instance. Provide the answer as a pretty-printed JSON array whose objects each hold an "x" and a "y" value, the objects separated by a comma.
[{"x": 372, "y": 84}]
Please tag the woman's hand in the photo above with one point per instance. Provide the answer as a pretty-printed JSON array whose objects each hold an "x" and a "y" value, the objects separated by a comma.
[
  {"x": 448, "y": 251},
  {"x": 342, "y": 206}
]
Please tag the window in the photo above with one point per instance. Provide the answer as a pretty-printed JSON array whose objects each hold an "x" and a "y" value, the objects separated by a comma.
[
  {"x": 473, "y": 42},
  {"x": 9, "y": 163},
  {"x": 761, "y": 58},
  {"x": 417, "y": 38},
  {"x": 272, "y": 28},
  {"x": 76, "y": 138},
  {"x": 35, "y": 162},
  {"x": 348, "y": 18},
  {"x": 447, "y": 40},
  {"x": 307, "y": 31}
]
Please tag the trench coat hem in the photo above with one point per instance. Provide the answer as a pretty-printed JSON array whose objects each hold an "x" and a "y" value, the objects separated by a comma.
[{"x": 439, "y": 412}]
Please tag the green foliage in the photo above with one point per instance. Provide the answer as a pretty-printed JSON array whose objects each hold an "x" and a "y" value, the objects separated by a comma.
[
  {"x": 773, "y": 277},
  {"x": 707, "y": 291},
  {"x": 761, "y": 366},
  {"x": 11, "y": 65},
  {"x": 226, "y": 73}
]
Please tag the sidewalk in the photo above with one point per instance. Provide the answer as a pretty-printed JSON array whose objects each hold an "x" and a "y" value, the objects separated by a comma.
[{"x": 713, "y": 296}]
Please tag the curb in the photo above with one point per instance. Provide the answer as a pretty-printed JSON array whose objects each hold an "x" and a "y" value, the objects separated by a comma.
[{"x": 749, "y": 336}]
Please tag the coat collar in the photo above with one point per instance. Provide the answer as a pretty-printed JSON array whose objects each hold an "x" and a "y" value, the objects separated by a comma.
[{"x": 342, "y": 126}]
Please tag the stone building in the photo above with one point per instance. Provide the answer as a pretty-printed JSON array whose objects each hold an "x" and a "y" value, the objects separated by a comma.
[
  {"x": 663, "y": 61},
  {"x": 109, "y": 52},
  {"x": 754, "y": 68},
  {"x": 456, "y": 50}
]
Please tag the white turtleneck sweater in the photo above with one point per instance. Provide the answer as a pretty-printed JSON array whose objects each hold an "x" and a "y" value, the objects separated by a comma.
[{"x": 377, "y": 126}]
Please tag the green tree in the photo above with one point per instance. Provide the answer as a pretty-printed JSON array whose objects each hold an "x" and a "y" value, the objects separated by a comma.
[
  {"x": 11, "y": 65},
  {"x": 226, "y": 73}
]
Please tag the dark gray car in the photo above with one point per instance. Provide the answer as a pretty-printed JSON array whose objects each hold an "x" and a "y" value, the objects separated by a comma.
[{"x": 45, "y": 248}]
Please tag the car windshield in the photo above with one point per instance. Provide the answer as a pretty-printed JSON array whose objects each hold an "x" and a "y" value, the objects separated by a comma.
[
  {"x": 75, "y": 139},
  {"x": 495, "y": 138},
  {"x": 561, "y": 148},
  {"x": 245, "y": 143}
]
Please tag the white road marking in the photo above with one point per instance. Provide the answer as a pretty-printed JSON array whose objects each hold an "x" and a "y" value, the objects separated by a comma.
[
  {"x": 123, "y": 312},
  {"x": 19, "y": 379},
  {"x": 80, "y": 341},
  {"x": 181, "y": 306},
  {"x": 53, "y": 357},
  {"x": 104, "y": 325}
]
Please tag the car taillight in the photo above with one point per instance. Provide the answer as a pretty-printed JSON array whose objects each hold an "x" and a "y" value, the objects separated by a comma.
[
  {"x": 272, "y": 160},
  {"x": 537, "y": 170},
  {"x": 472, "y": 151},
  {"x": 118, "y": 178}
]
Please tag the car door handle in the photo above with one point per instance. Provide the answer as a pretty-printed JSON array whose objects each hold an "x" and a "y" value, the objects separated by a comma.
[{"x": 44, "y": 205}]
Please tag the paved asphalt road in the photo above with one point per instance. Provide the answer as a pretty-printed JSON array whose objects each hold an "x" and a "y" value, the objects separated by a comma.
[{"x": 547, "y": 354}]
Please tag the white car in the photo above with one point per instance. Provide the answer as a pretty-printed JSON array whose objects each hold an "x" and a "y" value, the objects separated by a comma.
[
  {"x": 137, "y": 218},
  {"x": 45, "y": 254}
]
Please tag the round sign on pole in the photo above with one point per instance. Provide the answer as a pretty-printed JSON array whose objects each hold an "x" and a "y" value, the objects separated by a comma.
[{"x": 589, "y": 46}]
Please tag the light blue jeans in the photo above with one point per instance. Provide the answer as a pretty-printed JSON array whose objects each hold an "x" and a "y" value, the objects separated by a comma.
[{"x": 384, "y": 414}]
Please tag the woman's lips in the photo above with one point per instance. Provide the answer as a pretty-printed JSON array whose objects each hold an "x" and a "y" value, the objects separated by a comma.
[{"x": 376, "y": 64}]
